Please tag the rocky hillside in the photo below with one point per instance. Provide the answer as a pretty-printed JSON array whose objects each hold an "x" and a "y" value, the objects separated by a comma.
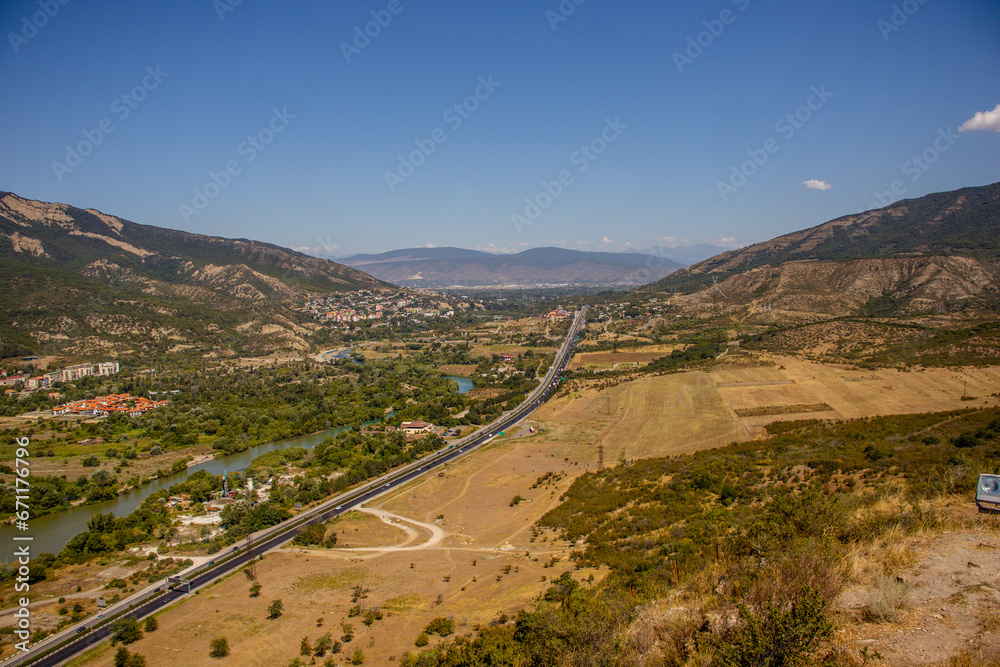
[
  {"x": 916, "y": 254},
  {"x": 80, "y": 281}
]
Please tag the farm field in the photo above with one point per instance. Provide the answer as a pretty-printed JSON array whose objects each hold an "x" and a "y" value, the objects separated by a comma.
[
  {"x": 680, "y": 413},
  {"x": 600, "y": 361}
]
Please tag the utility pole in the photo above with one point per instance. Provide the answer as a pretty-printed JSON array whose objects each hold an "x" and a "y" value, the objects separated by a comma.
[{"x": 251, "y": 566}]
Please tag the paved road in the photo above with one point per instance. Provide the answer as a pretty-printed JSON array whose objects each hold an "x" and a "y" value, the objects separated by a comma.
[{"x": 153, "y": 599}]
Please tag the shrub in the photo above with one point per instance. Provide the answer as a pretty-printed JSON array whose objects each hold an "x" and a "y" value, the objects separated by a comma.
[
  {"x": 966, "y": 440},
  {"x": 885, "y": 599},
  {"x": 777, "y": 637},
  {"x": 422, "y": 640},
  {"x": 219, "y": 648},
  {"x": 440, "y": 626},
  {"x": 275, "y": 609}
]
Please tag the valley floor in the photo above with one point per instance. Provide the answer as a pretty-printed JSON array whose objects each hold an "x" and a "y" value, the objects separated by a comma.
[{"x": 456, "y": 545}]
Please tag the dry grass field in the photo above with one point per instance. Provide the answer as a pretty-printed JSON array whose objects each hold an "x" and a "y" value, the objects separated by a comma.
[
  {"x": 461, "y": 370},
  {"x": 652, "y": 416},
  {"x": 852, "y": 393},
  {"x": 680, "y": 413},
  {"x": 484, "y": 562},
  {"x": 600, "y": 361}
]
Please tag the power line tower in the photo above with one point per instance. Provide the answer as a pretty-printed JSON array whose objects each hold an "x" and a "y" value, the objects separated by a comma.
[
  {"x": 251, "y": 570},
  {"x": 600, "y": 457}
]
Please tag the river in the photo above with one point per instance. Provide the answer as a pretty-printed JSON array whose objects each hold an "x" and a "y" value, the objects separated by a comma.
[
  {"x": 464, "y": 384},
  {"x": 51, "y": 532}
]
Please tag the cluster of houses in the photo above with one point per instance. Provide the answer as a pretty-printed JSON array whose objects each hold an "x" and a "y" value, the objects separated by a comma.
[
  {"x": 68, "y": 374},
  {"x": 410, "y": 429},
  {"x": 133, "y": 406},
  {"x": 367, "y": 305}
]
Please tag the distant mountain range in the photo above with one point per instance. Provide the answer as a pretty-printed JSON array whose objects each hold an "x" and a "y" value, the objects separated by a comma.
[
  {"x": 918, "y": 254},
  {"x": 76, "y": 280},
  {"x": 457, "y": 267}
]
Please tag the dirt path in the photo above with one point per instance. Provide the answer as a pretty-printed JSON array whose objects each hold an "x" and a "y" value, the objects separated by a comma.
[
  {"x": 951, "y": 600},
  {"x": 397, "y": 521}
]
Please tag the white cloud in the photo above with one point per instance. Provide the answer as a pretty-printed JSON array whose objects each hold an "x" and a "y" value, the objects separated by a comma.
[
  {"x": 607, "y": 241},
  {"x": 983, "y": 121},
  {"x": 815, "y": 184},
  {"x": 581, "y": 243},
  {"x": 557, "y": 242},
  {"x": 430, "y": 245}
]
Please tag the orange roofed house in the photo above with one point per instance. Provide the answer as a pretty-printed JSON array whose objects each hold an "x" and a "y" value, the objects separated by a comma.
[{"x": 133, "y": 406}]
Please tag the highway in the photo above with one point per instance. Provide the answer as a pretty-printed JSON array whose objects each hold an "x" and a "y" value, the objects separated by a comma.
[{"x": 64, "y": 646}]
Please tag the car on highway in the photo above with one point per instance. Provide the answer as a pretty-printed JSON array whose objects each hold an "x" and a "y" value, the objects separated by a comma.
[{"x": 81, "y": 629}]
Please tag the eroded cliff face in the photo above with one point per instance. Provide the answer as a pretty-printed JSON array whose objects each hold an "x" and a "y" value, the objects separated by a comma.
[
  {"x": 80, "y": 281},
  {"x": 918, "y": 284}
]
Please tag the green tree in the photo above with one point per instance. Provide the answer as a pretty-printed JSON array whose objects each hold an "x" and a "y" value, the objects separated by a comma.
[
  {"x": 275, "y": 609},
  {"x": 358, "y": 658},
  {"x": 305, "y": 648},
  {"x": 152, "y": 624},
  {"x": 219, "y": 648},
  {"x": 126, "y": 631},
  {"x": 440, "y": 626},
  {"x": 255, "y": 589},
  {"x": 323, "y": 644}
]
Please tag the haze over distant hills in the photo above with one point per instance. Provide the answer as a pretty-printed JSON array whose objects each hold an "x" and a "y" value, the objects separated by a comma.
[
  {"x": 70, "y": 275},
  {"x": 927, "y": 253},
  {"x": 458, "y": 267}
]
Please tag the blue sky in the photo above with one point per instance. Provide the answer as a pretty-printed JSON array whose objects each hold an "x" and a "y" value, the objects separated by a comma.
[{"x": 596, "y": 125}]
